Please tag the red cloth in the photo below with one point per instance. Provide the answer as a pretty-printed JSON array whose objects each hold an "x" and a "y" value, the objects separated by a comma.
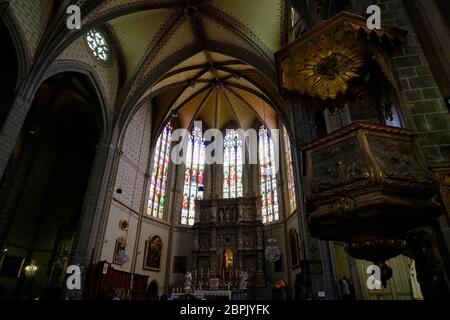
[{"x": 102, "y": 286}]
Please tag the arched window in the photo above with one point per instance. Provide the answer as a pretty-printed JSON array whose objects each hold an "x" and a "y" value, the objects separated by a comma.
[
  {"x": 193, "y": 176},
  {"x": 232, "y": 165},
  {"x": 158, "y": 178},
  {"x": 270, "y": 210},
  {"x": 290, "y": 173}
]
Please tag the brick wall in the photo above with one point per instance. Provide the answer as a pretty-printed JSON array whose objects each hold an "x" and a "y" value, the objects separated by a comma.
[{"x": 418, "y": 87}]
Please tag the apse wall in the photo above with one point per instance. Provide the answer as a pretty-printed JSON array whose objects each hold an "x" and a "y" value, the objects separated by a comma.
[
  {"x": 129, "y": 203},
  {"x": 183, "y": 239}
]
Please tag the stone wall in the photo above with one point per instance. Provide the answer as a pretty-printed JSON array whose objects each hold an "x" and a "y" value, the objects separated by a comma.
[{"x": 419, "y": 89}]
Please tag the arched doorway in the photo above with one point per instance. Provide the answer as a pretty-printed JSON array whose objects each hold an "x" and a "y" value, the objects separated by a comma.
[{"x": 50, "y": 170}]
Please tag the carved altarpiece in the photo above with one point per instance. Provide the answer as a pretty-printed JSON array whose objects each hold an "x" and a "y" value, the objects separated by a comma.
[{"x": 228, "y": 238}]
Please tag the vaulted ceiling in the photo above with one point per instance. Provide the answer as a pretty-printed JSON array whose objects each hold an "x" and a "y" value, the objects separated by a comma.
[
  {"x": 205, "y": 59},
  {"x": 214, "y": 88}
]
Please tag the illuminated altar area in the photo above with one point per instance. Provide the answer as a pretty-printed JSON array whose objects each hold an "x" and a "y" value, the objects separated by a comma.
[{"x": 228, "y": 240}]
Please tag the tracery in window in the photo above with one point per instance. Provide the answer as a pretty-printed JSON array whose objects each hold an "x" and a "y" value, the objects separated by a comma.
[
  {"x": 290, "y": 173},
  {"x": 270, "y": 209},
  {"x": 193, "y": 176},
  {"x": 232, "y": 165},
  {"x": 158, "y": 177},
  {"x": 98, "y": 45}
]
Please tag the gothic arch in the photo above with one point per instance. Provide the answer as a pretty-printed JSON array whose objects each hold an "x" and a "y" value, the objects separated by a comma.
[
  {"x": 83, "y": 69},
  {"x": 20, "y": 44}
]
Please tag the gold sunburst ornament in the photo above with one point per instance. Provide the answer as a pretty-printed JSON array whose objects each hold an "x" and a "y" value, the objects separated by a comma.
[
  {"x": 324, "y": 62},
  {"x": 324, "y": 68}
]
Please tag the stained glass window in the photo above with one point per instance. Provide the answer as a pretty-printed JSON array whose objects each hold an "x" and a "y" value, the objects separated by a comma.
[
  {"x": 158, "y": 177},
  {"x": 232, "y": 165},
  {"x": 193, "y": 176},
  {"x": 270, "y": 210},
  {"x": 98, "y": 45},
  {"x": 290, "y": 173}
]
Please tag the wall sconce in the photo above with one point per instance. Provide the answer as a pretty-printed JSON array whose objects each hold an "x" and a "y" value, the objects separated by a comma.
[{"x": 31, "y": 269}]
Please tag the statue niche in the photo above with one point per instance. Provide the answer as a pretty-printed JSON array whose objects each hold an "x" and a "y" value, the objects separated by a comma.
[{"x": 227, "y": 259}]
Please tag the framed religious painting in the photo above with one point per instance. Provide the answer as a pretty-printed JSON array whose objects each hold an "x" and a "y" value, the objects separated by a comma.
[
  {"x": 120, "y": 257},
  {"x": 152, "y": 255}
]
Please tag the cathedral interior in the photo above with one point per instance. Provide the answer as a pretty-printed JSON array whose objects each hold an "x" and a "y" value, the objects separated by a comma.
[{"x": 225, "y": 149}]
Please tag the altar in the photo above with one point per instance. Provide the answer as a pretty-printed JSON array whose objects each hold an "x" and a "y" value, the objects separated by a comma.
[
  {"x": 228, "y": 241},
  {"x": 211, "y": 295}
]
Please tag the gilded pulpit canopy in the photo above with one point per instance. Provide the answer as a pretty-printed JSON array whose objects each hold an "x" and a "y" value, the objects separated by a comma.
[{"x": 323, "y": 62}]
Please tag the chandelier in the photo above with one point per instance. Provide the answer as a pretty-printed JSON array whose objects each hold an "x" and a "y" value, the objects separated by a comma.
[{"x": 30, "y": 269}]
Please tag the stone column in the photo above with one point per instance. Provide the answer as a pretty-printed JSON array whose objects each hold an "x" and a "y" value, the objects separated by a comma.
[
  {"x": 11, "y": 129},
  {"x": 214, "y": 259},
  {"x": 303, "y": 130},
  {"x": 432, "y": 262},
  {"x": 87, "y": 238},
  {"x": 423, "y": 106}
]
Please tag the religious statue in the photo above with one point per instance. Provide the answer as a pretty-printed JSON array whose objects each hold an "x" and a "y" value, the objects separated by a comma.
[
  {"x": 243, "y": 280},
  {"x": 187, "y": 281},
  {"x": 228, "y": 257},
  {"x": 227, "y": 214}
]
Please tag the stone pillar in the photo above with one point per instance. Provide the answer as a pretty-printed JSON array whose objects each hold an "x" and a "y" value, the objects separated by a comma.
[
  {"x": 13, "y": 184},
  {"x": 432, "y": 262},
  {"x": 422, "y": 100},
  {"x": 320, "y": 275},
  {"x": 215, "y": 272},
  {"x": 433, "y": 31},
  {"x": 87, "y": 238},
  {"x": 11, "y": 129}
]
